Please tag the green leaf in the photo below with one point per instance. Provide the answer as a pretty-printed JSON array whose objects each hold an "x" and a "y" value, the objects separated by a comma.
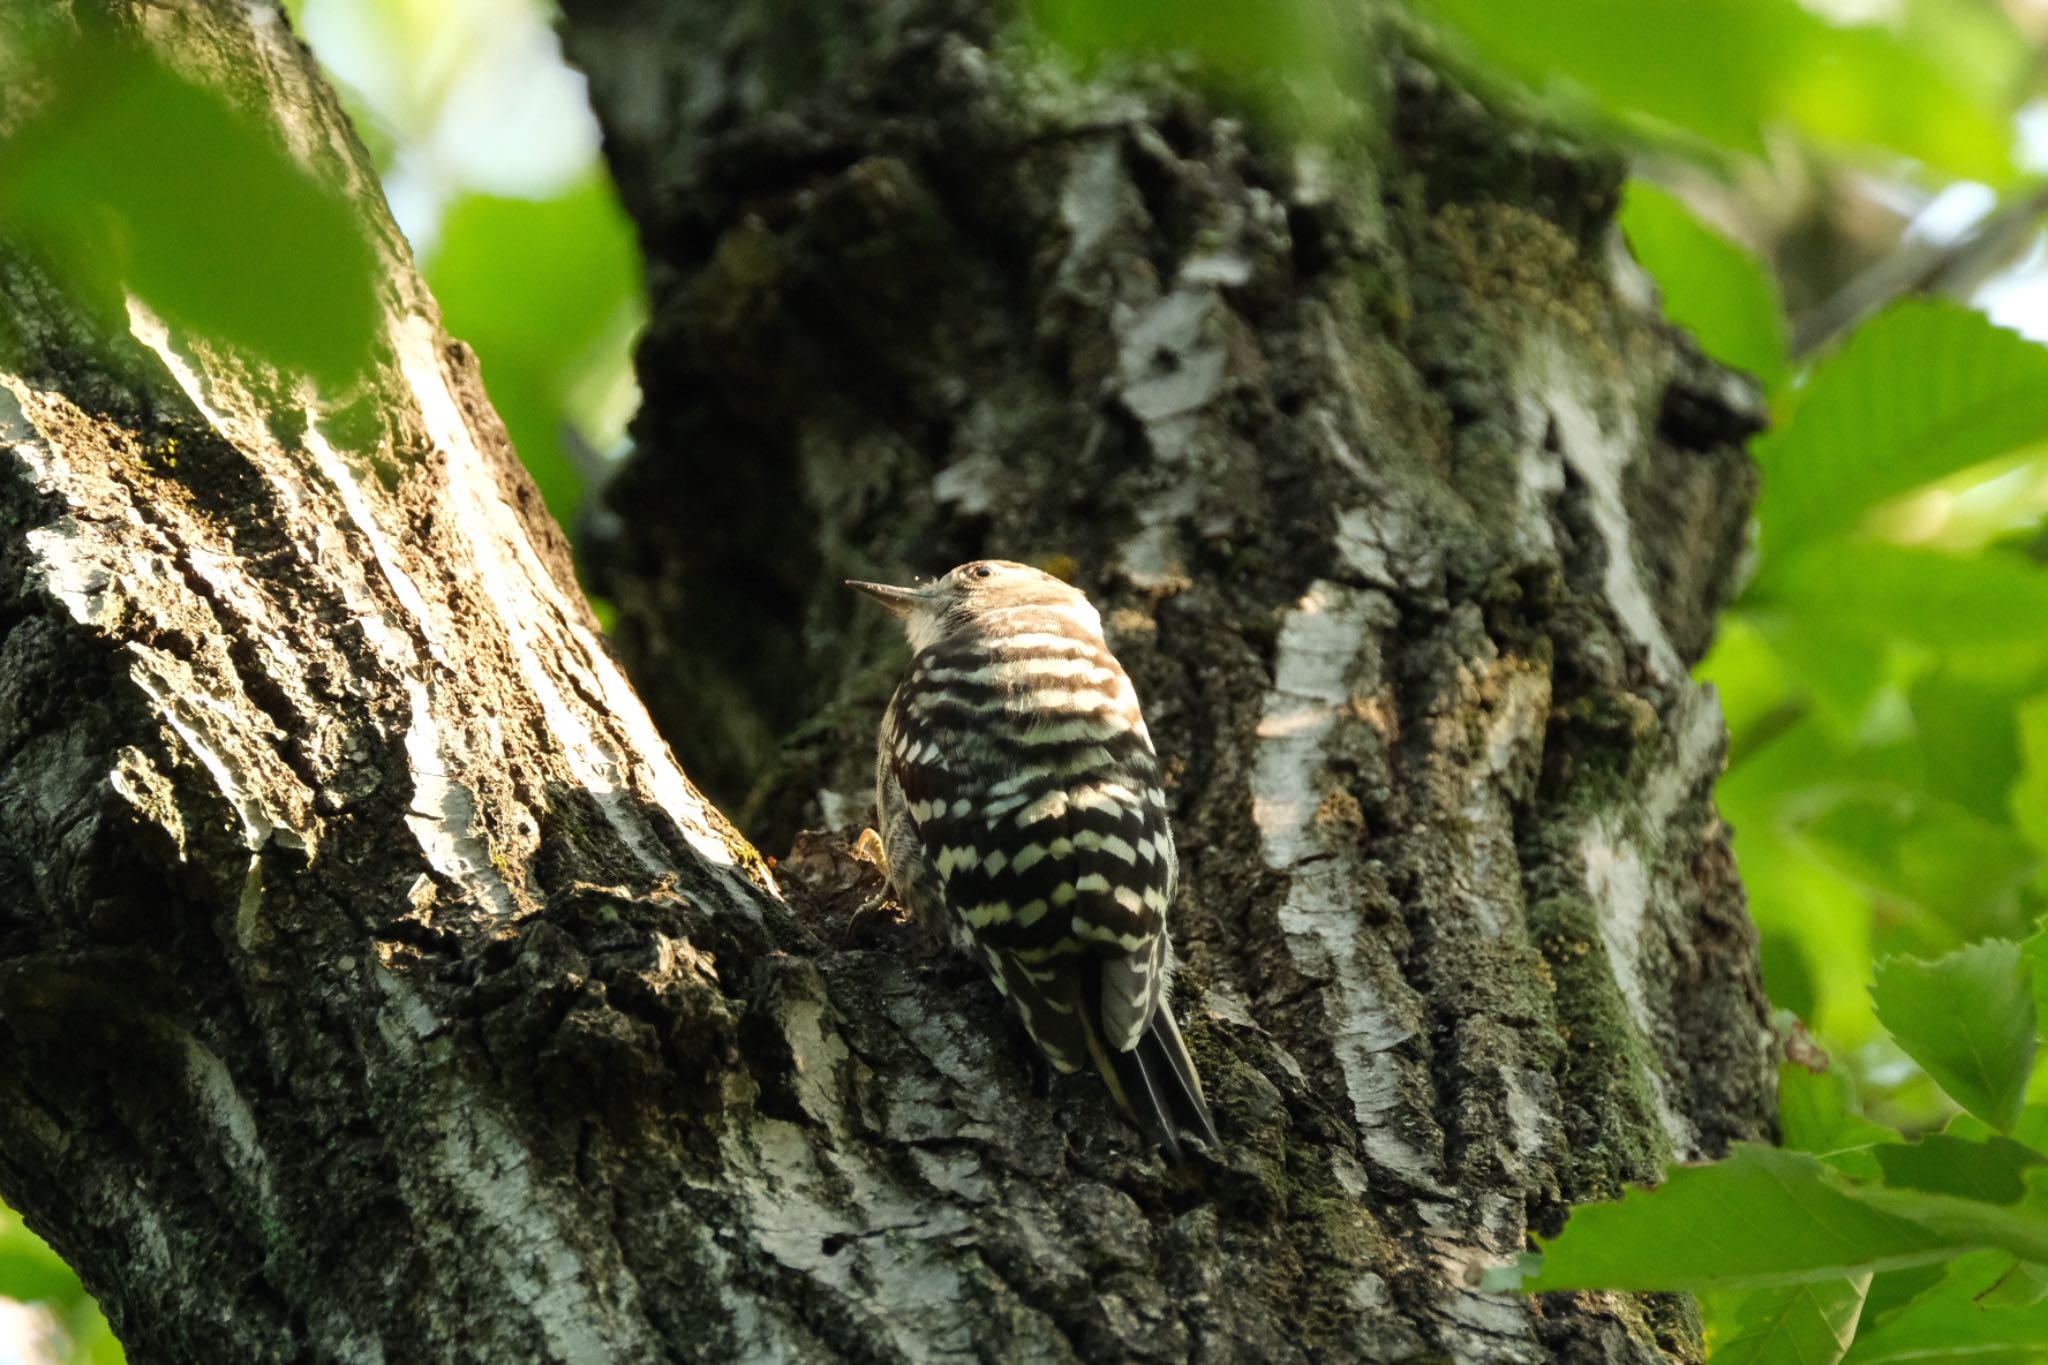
[
  {"x": 1953, "y": 1321},
  {"x": 1968, "y": 1019},
  {"x": 1817, "y": 1114},
  {"x": 2020, "y": 1228},
  {"x": 1962, "y": 35},
  {"x": 1709, "y": 68},
  {"x": 2030, "y": 790},
  {"x": 572, "y": 318},
  {"x": 1866, "y": 86},
  {"x": 1891, "y": 1290},
  {"x": 1969, "y": 738},
  {"x": 1884, "y": 593},
  {"x": 2035, "y": 951},
  {"x": 1722, "y": 292},
  {"x": 1762, "y": 1217},
  {"x": 1728, "y": 71},
  {"x": 2023, "y": 1286},
  {"x": 1766, "y": 1217},
  {"x": 131, "y": 181},
  {"x": 2033, "y": 1124},
  {"x": 1808, "y": 1323},
  {"x": 1993, "y": 1171},
  {"x": 1924, "y": 390}
]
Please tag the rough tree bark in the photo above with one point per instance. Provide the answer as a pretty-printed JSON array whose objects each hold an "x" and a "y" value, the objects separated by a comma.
[
  {"x": 1405, "y": 508},
  {"x": 373, "y": 985}
]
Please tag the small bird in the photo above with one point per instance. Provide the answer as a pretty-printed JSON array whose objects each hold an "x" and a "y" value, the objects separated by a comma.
[{"x": 1021, "y": 816}]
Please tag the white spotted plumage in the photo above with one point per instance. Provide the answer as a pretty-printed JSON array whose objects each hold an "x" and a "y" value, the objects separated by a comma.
[{"x": 1021, "y": 812}]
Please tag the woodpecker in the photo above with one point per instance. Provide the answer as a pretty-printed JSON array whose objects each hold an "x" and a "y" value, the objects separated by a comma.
[{"x": 1021, "y": 816}]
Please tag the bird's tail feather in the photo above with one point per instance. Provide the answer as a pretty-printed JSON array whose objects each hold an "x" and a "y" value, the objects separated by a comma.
[
  {"x": 1155, "y": 1082},
  {"x": 1189, "y": 1107}
]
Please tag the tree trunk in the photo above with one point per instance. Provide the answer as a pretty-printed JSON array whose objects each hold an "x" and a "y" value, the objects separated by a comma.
[
  {"x": 374, "y": 986},
  {"x": 1406, "y": 510}
]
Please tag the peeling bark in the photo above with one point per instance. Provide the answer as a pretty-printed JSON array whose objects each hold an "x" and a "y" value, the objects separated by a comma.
[{"x": 374, "y": 986}]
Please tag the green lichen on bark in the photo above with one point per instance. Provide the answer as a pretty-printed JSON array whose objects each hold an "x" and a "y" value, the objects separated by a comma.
[{"x": 1611, "y": 1118}]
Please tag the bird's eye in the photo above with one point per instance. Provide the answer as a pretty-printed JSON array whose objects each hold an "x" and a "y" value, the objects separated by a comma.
[{"x": 983, "y": 571}]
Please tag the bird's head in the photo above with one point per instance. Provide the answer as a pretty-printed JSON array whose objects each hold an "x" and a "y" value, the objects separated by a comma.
[{"x": 962, "y": 599}]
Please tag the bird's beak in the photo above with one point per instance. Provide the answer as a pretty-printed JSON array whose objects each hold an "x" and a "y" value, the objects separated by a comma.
[{"x": 897, "y": 600}]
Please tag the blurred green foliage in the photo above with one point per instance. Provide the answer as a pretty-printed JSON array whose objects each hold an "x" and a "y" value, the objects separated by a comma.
[
  {"x": 489, "y": 152},
  {"x": 1286, "y": 60},
  {"x": 1721, "y": 76},
  {"x": 1290, "y": 38},
  {"x": 131, "y": 182},
  {"x": 32, "y": 1273},
  {"x": 548, "y": 292}
]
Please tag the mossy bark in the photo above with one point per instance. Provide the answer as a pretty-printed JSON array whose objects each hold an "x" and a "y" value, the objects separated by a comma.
[{"x": 373, "y": 985}]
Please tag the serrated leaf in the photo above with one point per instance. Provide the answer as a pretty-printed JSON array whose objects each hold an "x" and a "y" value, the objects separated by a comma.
[
  {"x": 1719, "y": 290},
  {"x": 1809, "y": 1323},
  {"x": 1924, "y": 390},
  {"x": 1766, "y": 1216},
  {"x": 1968, "y": 1020},
  {"x": 1762, "y": 1217}
]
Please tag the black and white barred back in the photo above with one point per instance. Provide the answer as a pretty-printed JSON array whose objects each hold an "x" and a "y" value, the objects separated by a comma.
[{"x": 1022, "y": 815}]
